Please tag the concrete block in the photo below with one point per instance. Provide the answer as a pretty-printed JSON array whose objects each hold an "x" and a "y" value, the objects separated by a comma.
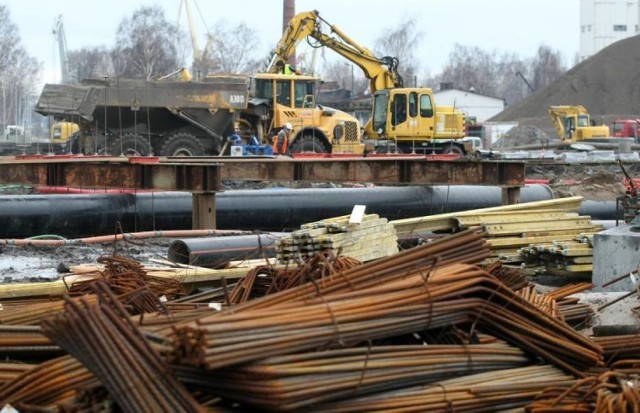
[{"x": 616, "y": 252}]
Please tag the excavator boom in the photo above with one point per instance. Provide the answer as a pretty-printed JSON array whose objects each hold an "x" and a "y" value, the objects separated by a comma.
[{"x": 381, "y": 72}]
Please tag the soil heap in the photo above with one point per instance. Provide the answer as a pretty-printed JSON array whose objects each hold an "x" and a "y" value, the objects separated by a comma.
[{"x": 607, "y": 85}]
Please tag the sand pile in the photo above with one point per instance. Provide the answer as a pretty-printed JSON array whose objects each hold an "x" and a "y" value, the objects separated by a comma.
[{"x": 607, "y": 84}]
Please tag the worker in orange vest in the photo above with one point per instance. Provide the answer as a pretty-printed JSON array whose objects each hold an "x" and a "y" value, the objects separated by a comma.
[{"x": 281, "y": 140}]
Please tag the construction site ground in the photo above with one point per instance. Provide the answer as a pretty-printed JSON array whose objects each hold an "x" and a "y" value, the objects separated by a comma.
[{"x": 595, "y": 181}]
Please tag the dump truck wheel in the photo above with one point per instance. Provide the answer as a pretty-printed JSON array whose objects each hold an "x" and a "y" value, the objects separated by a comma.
[
  {"x": 182, "y": 144},
  {"x": 308, "y": 144},
  {"x": 132, "y": 145}
]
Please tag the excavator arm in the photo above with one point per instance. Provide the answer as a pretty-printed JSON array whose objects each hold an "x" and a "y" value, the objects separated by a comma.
[{"x": 381, "y": 72}]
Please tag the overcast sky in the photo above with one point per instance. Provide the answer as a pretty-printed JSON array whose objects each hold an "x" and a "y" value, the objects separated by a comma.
[{"x": 518, "y": 26}]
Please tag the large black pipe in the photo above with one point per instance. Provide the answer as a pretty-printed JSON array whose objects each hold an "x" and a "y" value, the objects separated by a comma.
[{"x": 266, "y": 210}]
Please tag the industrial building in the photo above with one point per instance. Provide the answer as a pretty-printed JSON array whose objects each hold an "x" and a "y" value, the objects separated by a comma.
[{"x": 605, "y": 22}]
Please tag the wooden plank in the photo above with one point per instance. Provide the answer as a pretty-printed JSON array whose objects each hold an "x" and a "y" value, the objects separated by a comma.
[
  {"x": 512, "y": 228},
  {"x": 524, "y": 241},
  {"x": 579, "y": 267},
  {"x": 572, "y": 252},
  {"x": 444, "y": 221},
  {"x": 581, "y": 260},
  {"x": 514, "y": 216}
]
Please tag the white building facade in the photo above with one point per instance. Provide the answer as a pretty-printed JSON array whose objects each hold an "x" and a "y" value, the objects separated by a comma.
[
  {"x": 603, "y": 22},
  {"x": 472, "y": 104}
]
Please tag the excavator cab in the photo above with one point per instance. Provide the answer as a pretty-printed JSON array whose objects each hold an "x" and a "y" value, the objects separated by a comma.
[{"x": 573, "y": 123}]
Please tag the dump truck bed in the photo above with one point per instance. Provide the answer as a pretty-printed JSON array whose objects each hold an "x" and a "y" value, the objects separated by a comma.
[{"x": 82, "y": 101}]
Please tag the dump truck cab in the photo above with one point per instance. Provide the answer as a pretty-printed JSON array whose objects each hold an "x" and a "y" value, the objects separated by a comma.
[{"x": 277, "y": 99}]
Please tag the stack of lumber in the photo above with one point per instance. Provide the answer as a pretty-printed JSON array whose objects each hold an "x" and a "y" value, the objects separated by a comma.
[
  {"x": 372, "y": 238},
  {"x": 511, "y": 228},
  {"x": 561, "y": 257},
  {"x": 508, "y": 232},
  {"x": 447, "y": 222}
]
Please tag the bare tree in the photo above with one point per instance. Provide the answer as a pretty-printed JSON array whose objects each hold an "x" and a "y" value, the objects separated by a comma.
[
  {"x": 89, "y": 63},
  {"x": 234, "y": 50},
  {"x": 470, "y": 67},
  {"x": 19, "y": 73},
  {"x": 499, "y": 75},
  {"x": 347, "y": 76},
  {"x": 147, "y": 45},
  {"x": 401, "y": 41},
  {"x": 546, "y": 67}
]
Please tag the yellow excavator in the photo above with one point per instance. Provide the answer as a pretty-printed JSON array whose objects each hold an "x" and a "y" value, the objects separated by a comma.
[
  {"x": 407, "y": 118},
  {"x": 573, "y": 124}
]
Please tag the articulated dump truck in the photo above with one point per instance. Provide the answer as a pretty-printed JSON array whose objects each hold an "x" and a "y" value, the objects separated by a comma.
[{"x": 139, "y": 118}]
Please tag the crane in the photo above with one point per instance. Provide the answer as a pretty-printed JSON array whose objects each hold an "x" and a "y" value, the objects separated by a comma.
[
  {"x": 199, "y": 55},
  {"x": 59, "y": 36}
]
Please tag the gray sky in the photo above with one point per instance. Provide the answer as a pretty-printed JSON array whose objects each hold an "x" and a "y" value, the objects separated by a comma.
[{"x": 518, "y": 26}]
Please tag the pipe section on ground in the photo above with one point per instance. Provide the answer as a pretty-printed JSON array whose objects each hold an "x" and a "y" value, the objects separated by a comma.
[
  {"x": 218, "y": 251},
  {"x": 265, "y": 210}
]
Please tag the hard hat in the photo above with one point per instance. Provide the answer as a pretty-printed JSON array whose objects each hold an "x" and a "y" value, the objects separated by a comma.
[{"x": 288, "y": 126}]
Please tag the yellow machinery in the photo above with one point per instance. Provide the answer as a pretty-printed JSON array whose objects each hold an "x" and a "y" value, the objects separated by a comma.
[
  {"x": 573, "y": 124},
  {"x": 407, "y": 117},
  {"x": 61, "y": 131},
  {"x": 276, "y": 99}
]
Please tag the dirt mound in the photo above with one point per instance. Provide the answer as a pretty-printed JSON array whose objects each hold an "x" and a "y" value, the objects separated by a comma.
[
  {"x": 521, "y": 135},
  {"x": 607, "y": 84}
]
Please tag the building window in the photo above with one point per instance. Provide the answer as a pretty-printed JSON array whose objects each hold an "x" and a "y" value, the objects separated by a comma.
[
  {"x": 636, "y": 28},
  {"x": 619, "y": 27}
]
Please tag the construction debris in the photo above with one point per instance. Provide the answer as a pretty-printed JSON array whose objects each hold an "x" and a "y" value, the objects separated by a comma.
[{"x": 389, "y": 334}]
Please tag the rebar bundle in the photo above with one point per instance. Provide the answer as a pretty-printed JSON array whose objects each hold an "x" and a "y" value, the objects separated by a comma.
[
  {"x": 610, "y": 392},
  {"x": 476, "y": 393},
  {"x": 512, "y": 277},
  {"x": 32, "y": 312},
  {"x": 104, "y": 340},
  {"x": 265, "y": 280},
  {"x": 299, "y": 381},
  {"x": 617, "y": 348},
  {"x": 48, "y": 384},
  {"x": 399, "y": 297},
  {"x": 26, "y": 340},
  {"x": 126, "y": 276},
  {"x": 10, "y": 371}
]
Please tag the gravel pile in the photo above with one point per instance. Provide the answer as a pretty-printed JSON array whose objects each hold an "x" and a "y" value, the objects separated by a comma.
[{"x": 607, "y": 85}]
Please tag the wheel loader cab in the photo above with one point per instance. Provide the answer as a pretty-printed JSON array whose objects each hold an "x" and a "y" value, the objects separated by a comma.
[
  {"x": 291, "y": 99},
  {"x": 288, "y": 90}
]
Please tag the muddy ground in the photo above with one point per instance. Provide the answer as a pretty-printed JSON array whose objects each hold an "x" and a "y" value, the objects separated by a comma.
[{"x": 600, "y": 182}]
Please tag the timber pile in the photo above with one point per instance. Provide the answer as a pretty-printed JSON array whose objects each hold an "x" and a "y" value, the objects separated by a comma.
[
  {"x": 509, "y": 232},
  {"x": 370, "y": 239},
  {"x": 515, "y": 232},
  {"x": 561, "y": 257}
]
